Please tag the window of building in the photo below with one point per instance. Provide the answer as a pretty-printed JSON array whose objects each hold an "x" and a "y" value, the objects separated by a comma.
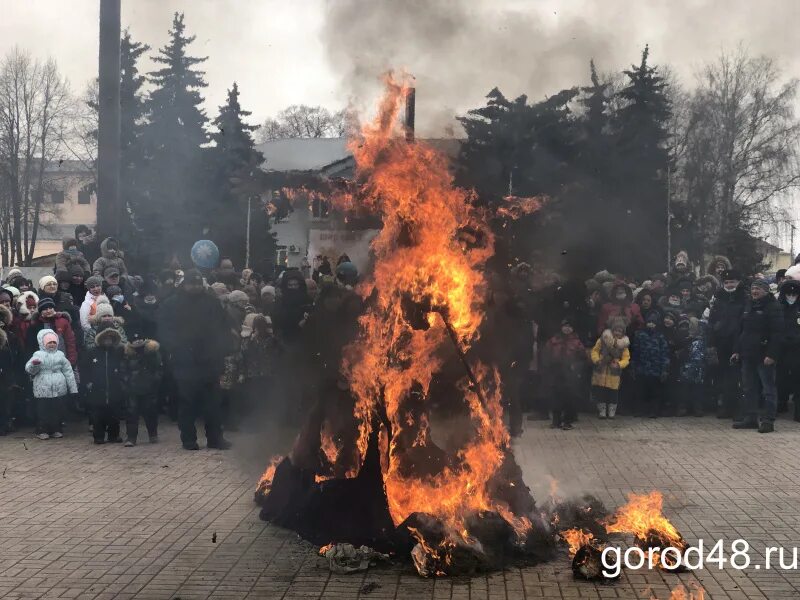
[
  {"x": 57, "y": 197},
  {"x": 319, "y": 208},
  {"x": 84, "y": 197}
]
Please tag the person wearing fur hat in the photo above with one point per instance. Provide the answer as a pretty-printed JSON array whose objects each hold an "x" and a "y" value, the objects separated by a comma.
[
  {"x": 94, "y": 289},
  {"x": 110, "y": 256},
  {"x": 691, "y": 304},
  {"x": 788, "y": 375},
  {"x": 563, "y": 364},
  {"x": 25, "y": 309},
  {"x": 47, "y": 317},
  {"x": 143, "y": 370},
  {"x": 102, "y": 319},
  {"x": 6, "y": 298},
  {"x": 620, "y": 305},
  {"x": 105, "y": 384},
  {"x": 758, "y": 349},
  {"x": 724, "y": 326},
  {"x": 650, "y": 357},
  {"x": 682, "y": 269},
  {"x": 610, "y": 355},
  {"x": 705, "y": 287},
  {"x": 53, "y": 380},
  {"x": 717, "y": 266},
  {"x": 71, "y": 255},
  {"x": 9, "y": 361}
]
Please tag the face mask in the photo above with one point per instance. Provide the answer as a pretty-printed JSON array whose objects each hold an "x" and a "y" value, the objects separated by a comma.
[
  {"x": 674, "y": 302},
  {"x": 730, "y": 288},
  {"x": 72, "y": 251},
  {"x": 150, "y": 300},
  {"x": 119, "y": 299},
  {"x": 621, "y": 297},
  {"x": 791, "y": 299}
]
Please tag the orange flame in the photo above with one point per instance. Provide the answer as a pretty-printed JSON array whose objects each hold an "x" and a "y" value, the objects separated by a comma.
[
  {"x": 324, "y": 549},
  {"x": 576, "y": 538},
  {"x": 643, "y": 515},
  {"x": 517, "y": 206},
  {"x": 265, "y": 483},
  {"x": 429, "y": 254}
]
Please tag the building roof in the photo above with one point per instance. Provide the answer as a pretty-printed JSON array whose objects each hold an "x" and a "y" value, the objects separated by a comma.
[
  {"x": 315, "y": 154},
  {"x": 302, "y": 154}
]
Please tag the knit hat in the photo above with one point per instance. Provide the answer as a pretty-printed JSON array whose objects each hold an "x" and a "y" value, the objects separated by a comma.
[
  {"x": 93, "y": 281},
  {"x": 268, "y": 290},
  {"x": 45, "y": 303},
  {"x": 12, "y": 290},
  {"x": 47, "y": 279},
  {"x": 13, "y": 273},
  {"x": 103, "y": 308},
  {"x": 568, "y": 320},
  {"x": 113, "y": 290},
  {"x": 617, "y": 323},
  {"x": 760, "y": 283},
  {"x": 790, "y": 286}
]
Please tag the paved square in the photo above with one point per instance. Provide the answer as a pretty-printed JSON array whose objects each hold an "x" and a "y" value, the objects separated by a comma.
[{"x": 85, "y": 521}]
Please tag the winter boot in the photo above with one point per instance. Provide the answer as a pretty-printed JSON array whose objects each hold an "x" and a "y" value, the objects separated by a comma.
[
  {"x": 766, "y": 427},
  {"x": 612, "y": 411},
  {"x": 601, "y": 409}
]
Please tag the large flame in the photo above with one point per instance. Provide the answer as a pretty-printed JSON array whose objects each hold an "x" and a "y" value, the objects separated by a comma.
[
  {"x": 576, "y": 538},
  {"x": 429, "y": 253},
  {"x": 642, "y": 516}
]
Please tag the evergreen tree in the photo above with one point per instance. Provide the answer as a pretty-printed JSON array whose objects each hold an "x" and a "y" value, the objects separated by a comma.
[
  {"x": 234, "y": 162},
  {"x": 639, "y": 170},
  {"x": 173, "y": 137},
  {"x": 132, "y": 155}
]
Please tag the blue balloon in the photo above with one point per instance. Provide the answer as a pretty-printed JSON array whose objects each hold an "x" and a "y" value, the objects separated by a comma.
[{"x": 205, "y": 254}]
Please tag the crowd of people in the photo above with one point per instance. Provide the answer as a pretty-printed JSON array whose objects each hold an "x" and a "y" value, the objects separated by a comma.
[
  {"x": 98, "y": 340},
  {"x": 680, "y": 343}
]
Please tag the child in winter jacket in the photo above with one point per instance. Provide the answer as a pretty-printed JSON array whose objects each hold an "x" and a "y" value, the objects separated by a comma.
[
  {"x": 690, "y": 367},
  {"x": 651, "y": 364},
  {"x": 71, "y": 255},
  {"x": 53, "y": 379},
  {"x": 104, "y": 382},
  {"x": 143, "y": 370},
  {"x": 563, "y": 361},
  {"x": 610, "y": 356}
]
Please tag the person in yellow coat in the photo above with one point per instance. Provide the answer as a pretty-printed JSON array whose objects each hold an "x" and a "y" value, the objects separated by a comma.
[{"x": 610, "y": 356}]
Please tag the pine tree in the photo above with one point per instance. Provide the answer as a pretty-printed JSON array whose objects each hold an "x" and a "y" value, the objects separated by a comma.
[
  {"x": 234, "y": 162},
  {"x": 639, "y": 171},
  {"x": 173, "y": 137},
  {"x": 132, "y": 155}
]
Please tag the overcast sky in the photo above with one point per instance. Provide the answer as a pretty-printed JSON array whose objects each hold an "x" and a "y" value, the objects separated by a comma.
[{"x": 330, "y": 52}]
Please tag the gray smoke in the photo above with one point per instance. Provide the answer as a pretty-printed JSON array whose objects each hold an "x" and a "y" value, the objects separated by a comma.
[{"x": 459, "y": 50}]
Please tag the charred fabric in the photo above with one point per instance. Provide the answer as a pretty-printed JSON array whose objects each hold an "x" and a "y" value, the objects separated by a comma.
[{"x": 365, "y": 467}]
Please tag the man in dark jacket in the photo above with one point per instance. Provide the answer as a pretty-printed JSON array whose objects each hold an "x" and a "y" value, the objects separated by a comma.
[
  {"x": 789, "y": 362},
  {"x": 758, "y": 348},
  {"x": 724, "y": 327},
  {"x": 193, "y": 329}
]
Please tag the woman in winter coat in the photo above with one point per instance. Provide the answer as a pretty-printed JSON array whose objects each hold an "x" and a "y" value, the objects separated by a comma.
[
  {"x": 111, "y": 256},
  {"x": 610, "y": 356},
  {"x": 53, "y": 380},
  {"x": 48, "y": 317},
  {"x": 620, "y": 305},
  {"x": 26, "y": 304}
]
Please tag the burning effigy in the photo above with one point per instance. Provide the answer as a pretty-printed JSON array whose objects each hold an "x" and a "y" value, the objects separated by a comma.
[
  {"x": 386, "y": 484},
  {"x": 366, "y": 472}
]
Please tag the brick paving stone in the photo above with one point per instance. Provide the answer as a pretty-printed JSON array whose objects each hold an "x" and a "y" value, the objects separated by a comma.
[{"x": 87, "y": 522}]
